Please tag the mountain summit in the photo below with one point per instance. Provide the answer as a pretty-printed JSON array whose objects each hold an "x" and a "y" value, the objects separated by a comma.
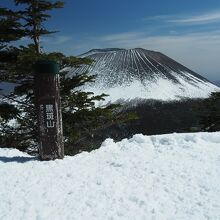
[{"x": 127, "y": 74}]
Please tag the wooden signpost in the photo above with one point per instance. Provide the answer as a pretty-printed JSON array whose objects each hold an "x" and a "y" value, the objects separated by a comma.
[{"x": 48, "y": 106}]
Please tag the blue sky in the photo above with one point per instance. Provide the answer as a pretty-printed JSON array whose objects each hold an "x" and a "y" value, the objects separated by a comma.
[{"x": 186, "y": 30}]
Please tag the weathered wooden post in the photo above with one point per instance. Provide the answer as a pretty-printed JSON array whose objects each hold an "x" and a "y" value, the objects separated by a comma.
[{"x": 48, "y": 106}]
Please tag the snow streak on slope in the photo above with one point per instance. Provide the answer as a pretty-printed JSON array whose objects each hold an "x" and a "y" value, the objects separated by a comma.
[
  {"x": 161, "y": 177},
  {"x": 139, "y": 73}
]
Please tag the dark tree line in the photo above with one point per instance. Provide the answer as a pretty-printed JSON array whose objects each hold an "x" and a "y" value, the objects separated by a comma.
[{"x": 210, "y": 113}]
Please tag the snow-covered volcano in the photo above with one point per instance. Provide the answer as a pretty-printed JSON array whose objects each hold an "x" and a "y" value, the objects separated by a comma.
[{"x": 142, "y": 74}]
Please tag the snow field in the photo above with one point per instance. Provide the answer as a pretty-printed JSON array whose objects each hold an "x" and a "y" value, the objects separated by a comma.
[
  {"x": 161, "y": 177},
  {"x": 162, "y": 89}
]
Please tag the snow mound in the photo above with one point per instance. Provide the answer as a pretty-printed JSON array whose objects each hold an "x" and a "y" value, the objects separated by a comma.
[{"x": 160, "y": 177}]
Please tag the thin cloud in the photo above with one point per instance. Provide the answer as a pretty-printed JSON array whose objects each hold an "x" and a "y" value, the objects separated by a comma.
[
  {"x": 187, "y": 19},
  {"x": 122, "y": 36},
  {"x": 198, "y": 51},
  {"x": 57, "y": 40},
  {"x": 132, "y": 39},
  {"x": 158, "y": 18},
  {"x": 205, "y": 18}
]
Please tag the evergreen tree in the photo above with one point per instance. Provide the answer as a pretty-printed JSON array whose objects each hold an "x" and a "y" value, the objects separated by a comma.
[
  {"x": 81, "y": 119},
  {"x": 34, "y": 15},
  {"x": 10, "y": 31},
  {"x": 10, "y": 26}
]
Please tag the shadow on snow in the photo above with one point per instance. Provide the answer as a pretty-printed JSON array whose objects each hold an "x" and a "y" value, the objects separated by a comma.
[{"x": 18, "y": 159}]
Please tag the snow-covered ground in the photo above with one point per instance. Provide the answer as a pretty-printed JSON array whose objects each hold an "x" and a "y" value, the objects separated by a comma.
[{"x": 174, "y": 176}]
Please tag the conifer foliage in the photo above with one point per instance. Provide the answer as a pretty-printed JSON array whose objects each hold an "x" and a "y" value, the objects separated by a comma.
[
  {"x": 34, "y": 15},
  {"x": 10, "y": 31},
  {"x": 18, "y": 121},
  {"x": 10, "y": 26}
]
